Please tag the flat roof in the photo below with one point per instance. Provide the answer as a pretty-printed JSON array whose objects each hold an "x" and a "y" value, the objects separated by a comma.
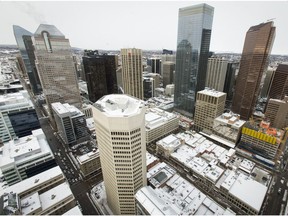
[
  {"x": 150, "y": 158},
  {"x": 177, "y": 198},
  {"x": 211, "y": 92},
  {"x": 240, "y": 189},
  {"x": 30, "y": 204},
  {"x": 25, "y": 148},
  {"x": 55, "y": 195},
  {"x": 73, "y": 211},
  {"x": 230, "y": 119},
  {"x": 15, "y": 100},
  {"x": 34, "y": 181},
  {"x": 156, "y": 117},
  {"x": 90, "y": 155},
  {"x": 159, "y": 174},
  {"x": 62, "y": 109},
  {"x": 119, "y": 105}
]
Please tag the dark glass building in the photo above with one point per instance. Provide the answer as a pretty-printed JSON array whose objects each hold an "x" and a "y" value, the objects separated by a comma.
[
  {"x": 279, "y": 85},
  {"x": 254, "y": 60},
  {"x": 155, "y": 64},
  {"x": 24, "y": 42},
  {"x": 100, "y": 72},
  {"x": 230, "y": 79},
  {"x": 167, "y": 52},
  {"x": 24, "y": 122},
  {"x": 193, "y": 42}
]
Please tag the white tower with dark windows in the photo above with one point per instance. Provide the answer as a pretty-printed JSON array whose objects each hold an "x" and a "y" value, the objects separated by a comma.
[{"x": 120, "y": 128}]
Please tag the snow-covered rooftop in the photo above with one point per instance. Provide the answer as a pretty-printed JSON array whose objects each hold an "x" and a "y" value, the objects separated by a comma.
[
  {"x": 212, "y": 92},
  {"x": 73, "y": 211},
  {"x": 155, "y": 117},
  {"x": 119, "y": 105},
  {"x": 25, "y": 148}
]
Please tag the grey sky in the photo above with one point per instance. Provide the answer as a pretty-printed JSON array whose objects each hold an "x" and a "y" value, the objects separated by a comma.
[{"x": 142, "y": 24}]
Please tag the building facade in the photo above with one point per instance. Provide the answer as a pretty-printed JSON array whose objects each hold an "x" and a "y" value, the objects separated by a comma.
[
  {"x": 216, "y": 73},
  {"x": 267, "y": 82},
  {"x": 71, "y": 123},
  {"x": 277, "y": 112},
  {"x": 17, "y": 116},
  {"x": 100, "y": 72},
  {"x": 254, "y": 61},
  {"x": 54, "y": 62},
  {"x": 230, "y": 78},
  {"x": 193, "y": 41},
  {"x": 120, "y": 128},
  {"x": 24, "y": 43},
  {"x": 279, "y": 85},
  {"x": 168, "y": 73},
  {"x": 25, "y": 157},
  {"x": 209, "y": 105},
  {"x": 132, "y": 72}
]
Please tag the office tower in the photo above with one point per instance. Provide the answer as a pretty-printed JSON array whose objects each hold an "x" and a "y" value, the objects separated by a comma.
[
  {"x": 279, "y": 85},
  {"x": 209, "y": 105},
  {"x": 168, "y": 73},
  {"x": 148, "y": 87},
  {"x": 257, "y": 47},
  {"x": 17, "y": 116},
  {"x": 232, "y": 68},
  {"x": 216, "y": 73},
  {"x": 119, "y": 80},
  {"x": 100, "y": 72},
  {"x": 24, "y": 42},
  {"x": 54, "y": 62},
  {"x": 267, "y": 82},
  {"x": 194, "y": 33},
  {"x": 120, "y": 128},
  {"x": 25, "y": 157},
  {"x": 167, "y": 52},
  {"x": 155, "y": 64},
  {"x": 71, "y": 123},
  {"x": 132, "y": 72},
  {"x": 277, "y": 112}
]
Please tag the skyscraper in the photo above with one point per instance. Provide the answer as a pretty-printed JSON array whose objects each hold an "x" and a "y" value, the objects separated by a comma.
[
  {"x": 54, "y": 62},
  {"x": 229, "y": 84},
  {"x": 257, "y": 47},
  {"x": 132, "y": 72},
  {"x": 194, "y": 33},
  {"x": 216, "y": 73},
  {"x": 209, "y": 105},
  {"x": 100, "y": 72},
  {"x": 279, "y": 85},
  {"x": 168, "y": 73},
  {"x": 120, "y": 128},
  {"x": 24, "y": 42},
  {"x": 277, "y": 112}
]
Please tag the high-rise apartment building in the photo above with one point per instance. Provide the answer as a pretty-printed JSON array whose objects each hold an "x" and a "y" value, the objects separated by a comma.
[
  {"x": 168, "y": 73},
  {"x": 229, "y": 84},
  {"x": 24, "y": 42},
  {"x": 194, "y": 33},
  {"x": 277, "y": 112},
  {"x": 132, "y": 72},
  {"x": 120, "y": 128},
  {"x": 257, "y": 47},
  {"x": 216, "y": 73},
  {"x": 100, "y": 72},
  {"x": 279, "y": 85},
  {"x": 209, "y": 105},
  {"x": 54, "y": 62}
]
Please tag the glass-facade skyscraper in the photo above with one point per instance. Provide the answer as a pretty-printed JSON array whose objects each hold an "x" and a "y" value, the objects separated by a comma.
[
  {"x": 24, "y": 42},
  {"x": 254, "y": 61},
  {"x": 194, "y": 33}
]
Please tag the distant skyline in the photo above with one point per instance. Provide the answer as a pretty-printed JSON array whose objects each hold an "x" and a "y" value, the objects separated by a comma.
[{"x": 147, "y": 25}]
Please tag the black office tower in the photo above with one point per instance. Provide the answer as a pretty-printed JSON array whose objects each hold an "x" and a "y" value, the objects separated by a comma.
[{"x": 100, "y": 73}]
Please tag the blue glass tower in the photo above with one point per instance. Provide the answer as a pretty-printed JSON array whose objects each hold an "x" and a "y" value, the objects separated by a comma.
[{"x": 194, "y": 33}]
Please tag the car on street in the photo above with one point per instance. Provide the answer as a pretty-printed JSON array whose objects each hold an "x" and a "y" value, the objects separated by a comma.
[{"x": 279, "y": 190}]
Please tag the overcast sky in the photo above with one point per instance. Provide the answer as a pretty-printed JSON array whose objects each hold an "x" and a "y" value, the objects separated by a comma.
[{"x": 142, "y": 24}]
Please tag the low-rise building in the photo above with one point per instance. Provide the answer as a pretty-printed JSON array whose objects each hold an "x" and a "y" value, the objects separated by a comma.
[
  {"x": 261, "y": 139},
  {"x": 89, "y": 162},
  {"x": 159, "y": 123},
  {"x": 17, "y": 116},
  {"x": 44, "y": 194},
  {"x": 24, "y": 157}
]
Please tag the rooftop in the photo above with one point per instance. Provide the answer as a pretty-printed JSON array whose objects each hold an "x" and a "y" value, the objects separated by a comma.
[
  {"x": 66, "y": 109},
  {"x": 211, "y": 92},
  {"x": 24, "y": 148},
  {"x": 15, "y": 100},
  {"x": 155, "y": 117},
  {"x": 73, "y": 211},
  {"x": 119, "y": 105},
  {"x": 177, "y": 198}
]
